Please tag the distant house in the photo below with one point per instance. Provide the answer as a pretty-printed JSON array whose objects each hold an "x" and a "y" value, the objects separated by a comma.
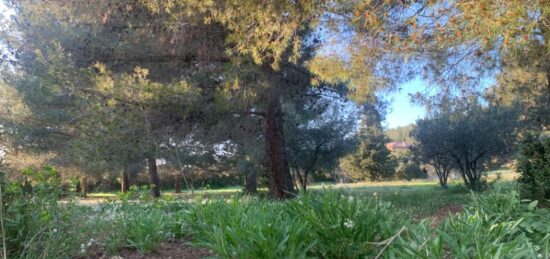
[{"x": 398, "y": 145}]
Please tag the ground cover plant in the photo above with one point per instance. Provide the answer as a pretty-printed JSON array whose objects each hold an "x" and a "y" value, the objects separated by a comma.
[{"x": 384, "y": 222}]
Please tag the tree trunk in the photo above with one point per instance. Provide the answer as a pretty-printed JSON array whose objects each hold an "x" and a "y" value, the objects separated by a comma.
[
  {"x": 177, "y": 184},
  {"x": 304, "y": 185},
  {"x": 153, "y": 176},
  {"x": 125, "y": 181},
  {"x": 84, "y": 186},
  {"x": 250, "y": 182},
  {"x": 280, "y": 180},
  {"x": 299, "y": 176},
  {"x": 78, "y": 188}
]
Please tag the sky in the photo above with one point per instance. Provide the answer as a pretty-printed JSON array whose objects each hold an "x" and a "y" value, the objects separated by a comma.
[{"x": 401, "y": 111}]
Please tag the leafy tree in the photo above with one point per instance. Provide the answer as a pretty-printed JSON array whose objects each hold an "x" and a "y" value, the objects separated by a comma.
[
  {"x": 319, "y": 133},
  {"x": 533, "y": 165},
  {"x": 430, "y": 148},
  {"x": 470, "y": 137}
]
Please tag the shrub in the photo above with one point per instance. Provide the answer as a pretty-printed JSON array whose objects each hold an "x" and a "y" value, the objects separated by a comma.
[
  {"x": 533, "y": 165},
  {"x": 36, "y": 224},
  {"x": 409, "y": 171}
]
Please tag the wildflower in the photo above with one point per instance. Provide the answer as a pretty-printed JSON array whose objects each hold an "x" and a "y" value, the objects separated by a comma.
[
  {"x": 55, "y": 230},
  {"x": 349, "y": 223},
  {"x": 539, "y": 255},
  {"x": 204, "y": 201},
  {"x": 350, "y": 198},
  {"x": 375, "y": 194}
]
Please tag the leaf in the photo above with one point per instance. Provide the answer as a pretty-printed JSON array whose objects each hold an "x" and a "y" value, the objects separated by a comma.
[{"x": 532, "y": 205}]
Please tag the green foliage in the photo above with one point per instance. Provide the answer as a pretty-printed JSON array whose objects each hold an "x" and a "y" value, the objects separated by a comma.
[
  {"x": 533, "y": 165},
  {"x": 139, "y": 226},
  {"x": 467, "y": 138},
  {"x": 494, "y": 225},
  {"x": 410, "y": 170},
  {"x": 360, "y": 225},
  {"x": 318, "y": 133},
  {"x": 304, "y": 227},
  {"x": 340, "y": 226},
  {"x": 140, "y": 193},
  {"x": 372, "y": 160},
  {"x": 36, "y": 224}
]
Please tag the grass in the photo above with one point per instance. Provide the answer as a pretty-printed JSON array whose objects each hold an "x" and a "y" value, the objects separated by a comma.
[{"x": 387, "y": 219}]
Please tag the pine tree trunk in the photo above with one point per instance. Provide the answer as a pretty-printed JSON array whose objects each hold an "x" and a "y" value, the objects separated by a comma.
[
  {"x": 250, "y": 182},
  {"x": 153, "y": 176},
  {"x": 177, "y": 184},
  {"x": 125, "y": 181},
  {"x": 280, "y": 180}
]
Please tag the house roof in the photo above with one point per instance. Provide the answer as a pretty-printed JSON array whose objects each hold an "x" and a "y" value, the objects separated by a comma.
[{"x": 398, "y": 145}]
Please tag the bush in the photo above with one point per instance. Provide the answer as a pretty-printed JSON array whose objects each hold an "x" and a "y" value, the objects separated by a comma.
[
  {"x": 409, "y": 171},
  {"x": 533, "y": 165},
  {"x": 36, "y": 224}
]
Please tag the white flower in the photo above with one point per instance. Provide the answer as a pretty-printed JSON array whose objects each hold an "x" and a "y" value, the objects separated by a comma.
[
  {"x": 349, "y": 223},
  {"x": 89, "y": 244},
  {"x": 204, "y": 201},
  {"x": 55, "y": 230},
  {"x": 92, "y": 240},
  {"x": 539, "y": 255},
  {"x": 375, "y": 194},
  {"x": 350, "y": 198}
]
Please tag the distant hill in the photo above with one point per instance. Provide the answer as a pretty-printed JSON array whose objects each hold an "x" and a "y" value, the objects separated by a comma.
[{"x": 400, "y": 133}]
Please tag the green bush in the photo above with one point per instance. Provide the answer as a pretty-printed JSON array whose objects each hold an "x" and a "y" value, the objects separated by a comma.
[
  {"x": 36, "y": 224},
  {"x": 410, "y": 170},
  {"x": 533, "y": 165}
]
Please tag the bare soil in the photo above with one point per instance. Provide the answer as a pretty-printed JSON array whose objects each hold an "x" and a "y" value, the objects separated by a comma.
[
  {"x": 171, "y": 249},
  {"x": 442, "y": 213}
]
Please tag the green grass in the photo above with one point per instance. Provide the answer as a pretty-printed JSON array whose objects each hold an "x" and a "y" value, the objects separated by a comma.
[{"x": 330, "y": 221}]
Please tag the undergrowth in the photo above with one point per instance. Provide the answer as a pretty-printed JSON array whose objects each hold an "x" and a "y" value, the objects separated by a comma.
[{"x": 325, "y": 224}]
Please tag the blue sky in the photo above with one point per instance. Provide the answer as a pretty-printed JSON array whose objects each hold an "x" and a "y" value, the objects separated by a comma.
[{"x": 401, "y": 111}]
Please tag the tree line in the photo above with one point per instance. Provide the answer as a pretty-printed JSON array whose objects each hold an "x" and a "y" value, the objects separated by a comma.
[{"x": 265, "y": 88}]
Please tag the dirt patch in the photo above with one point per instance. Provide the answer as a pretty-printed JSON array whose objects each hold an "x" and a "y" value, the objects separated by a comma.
[
  {"x": 442, "y": 213},
  {"x": 172, "y": 249}
]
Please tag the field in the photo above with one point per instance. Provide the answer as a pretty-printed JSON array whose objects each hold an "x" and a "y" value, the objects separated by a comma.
[{"x": 414, "y": 219}]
